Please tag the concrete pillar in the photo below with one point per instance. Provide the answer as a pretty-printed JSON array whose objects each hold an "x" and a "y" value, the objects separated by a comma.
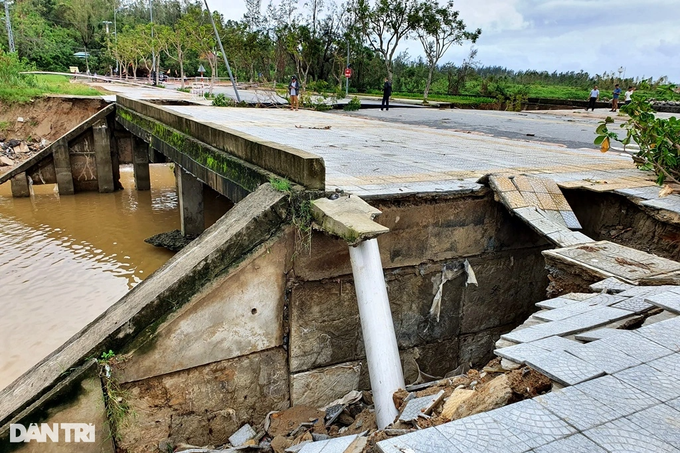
[
  {"x": 140, "y": 164},
  {"x": 190, "y": 193},
  {"x": 102, "y": 152},
  {"x": 351, "y": 218},
  {"x": 20, "y": 186},
  {"x": 380, "y": 340},
  {"x": 62, "y": 167}
]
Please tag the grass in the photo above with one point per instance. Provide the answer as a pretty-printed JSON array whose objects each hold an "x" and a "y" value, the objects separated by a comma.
[{"x": 41, "y": 85}]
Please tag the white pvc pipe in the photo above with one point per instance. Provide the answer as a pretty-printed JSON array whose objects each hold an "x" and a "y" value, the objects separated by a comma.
[{"x": 380, "y": 341}]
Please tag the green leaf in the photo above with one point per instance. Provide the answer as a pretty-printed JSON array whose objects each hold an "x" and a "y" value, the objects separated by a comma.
[{"x": 599, "y": 139}]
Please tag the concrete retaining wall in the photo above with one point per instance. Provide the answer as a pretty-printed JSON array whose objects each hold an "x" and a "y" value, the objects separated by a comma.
[{"x": 281, "y": 327}]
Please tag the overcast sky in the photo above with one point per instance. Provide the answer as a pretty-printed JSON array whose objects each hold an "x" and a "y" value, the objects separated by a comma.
[{"x": 642, "y": 36}]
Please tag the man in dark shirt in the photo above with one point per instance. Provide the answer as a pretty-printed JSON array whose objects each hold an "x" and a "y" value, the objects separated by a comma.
[
  {"x": 615, "y": 100},
  {"x": 387, "y": 92}
]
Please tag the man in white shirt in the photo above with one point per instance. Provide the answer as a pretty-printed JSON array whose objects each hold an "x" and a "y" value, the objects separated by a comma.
[{"x": 594, "y": 96}]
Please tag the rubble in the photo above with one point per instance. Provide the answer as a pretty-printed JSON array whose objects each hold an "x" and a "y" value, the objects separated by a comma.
[
  {"x": 348, "y": 425},
  {"x": 13, "y": 151}
]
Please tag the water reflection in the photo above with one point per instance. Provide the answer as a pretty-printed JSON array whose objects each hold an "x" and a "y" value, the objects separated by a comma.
[{"x": 64, "y": 260}]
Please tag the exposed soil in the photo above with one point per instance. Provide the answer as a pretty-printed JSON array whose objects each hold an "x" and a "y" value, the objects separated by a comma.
[{"x": 48, "y": 117}]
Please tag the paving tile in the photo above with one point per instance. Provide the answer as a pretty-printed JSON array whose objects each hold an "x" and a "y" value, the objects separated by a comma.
[
  {"x": 531, "y": 199},
  {"x": 547, "y": 202},
  {"x": 577, "y": 408},
  {"x": 425, "y": 441},
  {"x": 570, "y": 220},
  {"x": 598, "y": 334},
  {"x": 623, "y": 398},
  {"x": 666, "y": 333},
  {"x": 647, "y": 193},
  {"x": 661, "y": 421},
  {"x": 336, "y": 445},
  {"x": 578, "y": 443},
  {"x": 605, "y": 356},
  {"x": 557, "y": 302},
  {"x": 635, "y": 305},
  {"x": 624, "y": 436},
  {"x": 669, "y": 300},
  {"x": 578, "y": 296},
  {"x": 568, "y": 311},
  {"x": 533, "y": 423},
  {"x": 675, "y": 404},
  {"x": 481, "y": 433},
  {"x": 611, "y": 285},
  {"x": 513, "y": 199},
  {"x": 520, "y": 353},
  {"x": 669, "y": 364},
  {"x": 419, "y": 406},
  {"x": 669, "y": 204},
  {"x": 606, "y": 299},
  {"x": 616, "y": 260},
  {"x": 565, "y": 368},
  {"x": 554, "y": 343},
  {"x": 528, "y": 214},
  {"x": 522, "y": 183},
  {"x": 551, "y": 186},
  {"x": 637, "y": 291},
  {"x": 501, "y": 183},
  {"x": 634, "y": 344}
]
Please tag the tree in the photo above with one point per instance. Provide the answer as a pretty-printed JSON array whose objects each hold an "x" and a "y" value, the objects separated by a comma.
[
  {"x": 438, "y": 29},
  {"x": 174, "y": 43},
  {"x": 385, "y": 24}
]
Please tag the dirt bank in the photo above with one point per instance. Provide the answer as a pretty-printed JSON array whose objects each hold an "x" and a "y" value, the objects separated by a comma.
[{"x": 48, "y": 117}]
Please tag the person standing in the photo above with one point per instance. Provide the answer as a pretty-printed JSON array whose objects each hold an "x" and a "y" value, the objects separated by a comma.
[
  {"x": 628, "y": 95},
  {"x": 615, "y": 98},
  {"x": 387, "y": 92},
  {"x": 594, "y": 96},
  {"x": 293, "y": 92}
]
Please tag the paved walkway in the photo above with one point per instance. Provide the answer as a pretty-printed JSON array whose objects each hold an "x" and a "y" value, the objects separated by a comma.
[
  {"x": 378, "y": 158},
  {"x": 621, "y": 394}
]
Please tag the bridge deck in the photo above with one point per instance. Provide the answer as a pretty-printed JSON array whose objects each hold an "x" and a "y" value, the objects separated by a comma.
[{"x": 375, "y": 158}]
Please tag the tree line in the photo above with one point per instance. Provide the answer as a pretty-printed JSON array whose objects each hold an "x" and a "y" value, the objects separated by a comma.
[{"x": 309, "y": 38}]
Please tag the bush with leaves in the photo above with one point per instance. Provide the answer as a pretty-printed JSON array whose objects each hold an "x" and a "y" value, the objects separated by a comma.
[
  {"x": 658, "y": 139},
  {"x": 222, "y": 101},
  {"x": 353, "y": 105}
]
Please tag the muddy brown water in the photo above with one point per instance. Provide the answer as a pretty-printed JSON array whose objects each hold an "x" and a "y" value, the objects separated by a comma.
[{"x": 64, "y": 260}]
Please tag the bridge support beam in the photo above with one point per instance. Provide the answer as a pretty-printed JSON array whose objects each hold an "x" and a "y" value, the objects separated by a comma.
[
  {"x": 140, "y": 164},
  {"x": 20, "y": 186},
  {"x": 190, "y": 192},
  {"x": 102, "y": 150},
  {"x": 62, "y": 167}
]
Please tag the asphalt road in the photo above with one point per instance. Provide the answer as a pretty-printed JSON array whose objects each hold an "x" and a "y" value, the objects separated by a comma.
[{"x": 574, "y": 129}]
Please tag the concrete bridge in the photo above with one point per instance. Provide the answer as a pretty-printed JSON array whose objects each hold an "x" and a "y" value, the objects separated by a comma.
[{"x": 247, "y": 320}]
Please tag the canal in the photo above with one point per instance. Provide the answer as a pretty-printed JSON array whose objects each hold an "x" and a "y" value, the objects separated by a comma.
[{"x": 64, "y": 260}]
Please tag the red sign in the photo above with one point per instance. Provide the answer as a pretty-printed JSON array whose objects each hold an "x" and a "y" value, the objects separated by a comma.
[{"x": 348, "y": 73}]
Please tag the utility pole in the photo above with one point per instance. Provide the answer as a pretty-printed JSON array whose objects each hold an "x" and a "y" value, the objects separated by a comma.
[
  {"x": 153, "y": 47},
  {"x": 347, "y": 78},
  {"x": 8, "y": 23},
  {"x": 224, "y": 54}
]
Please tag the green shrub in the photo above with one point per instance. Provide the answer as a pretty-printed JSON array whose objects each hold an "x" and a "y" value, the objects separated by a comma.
[
  {"x": 658, "y": 139},
  {"x": 353, "y": 105}
]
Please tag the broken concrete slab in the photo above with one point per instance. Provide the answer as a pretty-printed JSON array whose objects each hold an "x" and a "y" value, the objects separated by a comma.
[
  {"x": 606, "y": 259},
  {"x": 669, "y": 300},
  {"x": 611, "y": 285},
  {"x": 419, "y": 407},
  {"x": 348, "y": 217},
  {"x": 243, "y": 435},
  {"x": 336, "y": 445},
  {"x": 598, "y": 334},
  {"x": 323, "y": 385}
]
